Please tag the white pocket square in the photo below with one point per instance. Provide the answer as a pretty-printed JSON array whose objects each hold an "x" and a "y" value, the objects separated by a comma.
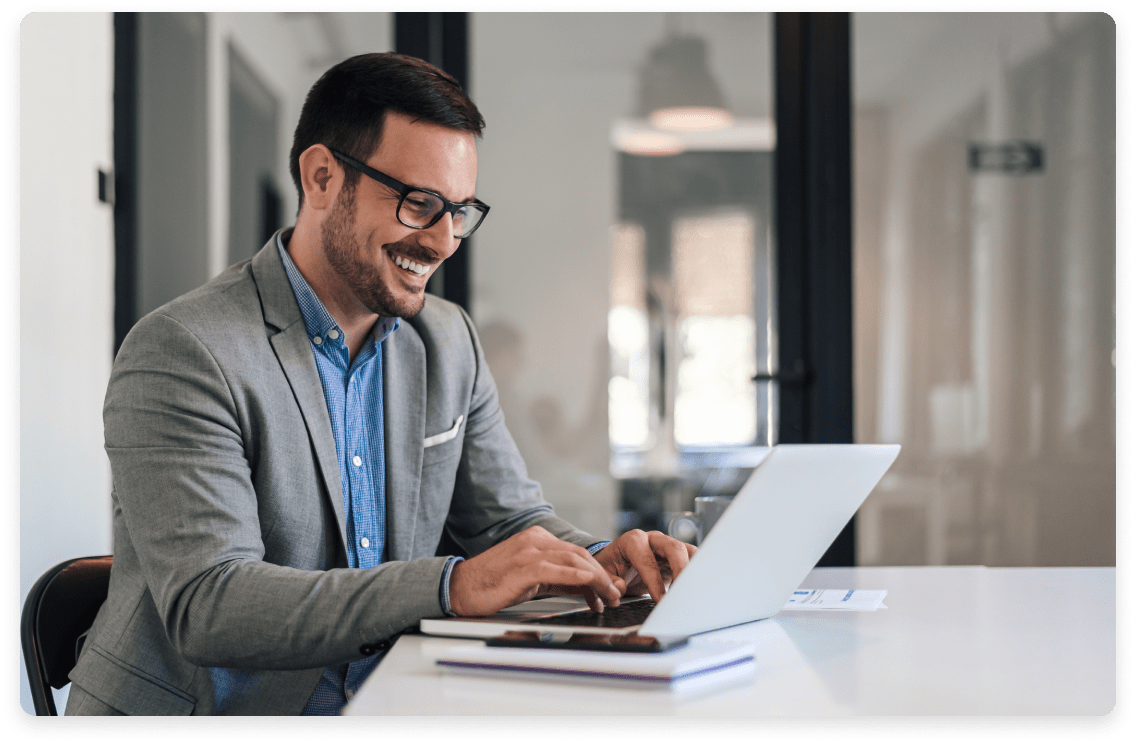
[{"x": 444, "y": 436}]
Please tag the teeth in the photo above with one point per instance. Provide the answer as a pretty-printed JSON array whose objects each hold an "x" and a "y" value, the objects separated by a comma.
[{"x": 409, "y": 265}]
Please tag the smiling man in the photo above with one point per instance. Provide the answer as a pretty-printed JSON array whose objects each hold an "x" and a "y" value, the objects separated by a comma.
[{"x": 308, "y": 456}]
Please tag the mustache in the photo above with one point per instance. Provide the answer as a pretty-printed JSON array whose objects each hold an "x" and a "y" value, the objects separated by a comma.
[{"x": 413, "y": 250}]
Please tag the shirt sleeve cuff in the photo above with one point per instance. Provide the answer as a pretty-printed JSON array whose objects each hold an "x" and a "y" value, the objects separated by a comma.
[
  {"x": 593, "y": 549},
  {"x": 444, "y": 585}
]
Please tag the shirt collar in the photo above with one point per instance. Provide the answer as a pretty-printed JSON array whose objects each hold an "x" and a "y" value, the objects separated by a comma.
[{"x": 317, "y": 320}]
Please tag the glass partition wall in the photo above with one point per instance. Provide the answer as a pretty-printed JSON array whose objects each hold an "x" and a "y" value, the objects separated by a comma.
[
  {"x": 622, "y": 286},
  {"x": 985, "y": 273}
]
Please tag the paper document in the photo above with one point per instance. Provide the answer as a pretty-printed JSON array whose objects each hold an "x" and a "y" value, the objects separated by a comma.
[{"x": 837, "y": 599}]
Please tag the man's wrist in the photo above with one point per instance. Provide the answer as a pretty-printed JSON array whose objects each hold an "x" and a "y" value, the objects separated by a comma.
[
  {"x": 597, "y": 547},
  {"x": 444, "y": 585}
]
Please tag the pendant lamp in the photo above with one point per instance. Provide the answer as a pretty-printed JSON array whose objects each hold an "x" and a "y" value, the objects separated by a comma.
[{"x": 677, "y": 91}]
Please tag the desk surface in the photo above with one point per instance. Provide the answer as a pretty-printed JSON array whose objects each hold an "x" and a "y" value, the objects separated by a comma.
[{"x": 954, "y": 640}]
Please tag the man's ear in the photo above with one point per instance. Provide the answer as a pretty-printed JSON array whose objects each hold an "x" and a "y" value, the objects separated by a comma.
[{"x": 321, "y": 176}]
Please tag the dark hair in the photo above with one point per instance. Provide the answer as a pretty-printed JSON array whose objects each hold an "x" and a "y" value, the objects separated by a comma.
[{"x": 344, "y": 110}]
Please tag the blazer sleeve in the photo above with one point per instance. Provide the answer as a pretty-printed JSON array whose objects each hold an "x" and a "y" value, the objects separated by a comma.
[
  {"x": 183, "y": 483},
  {"x": 493, "y": 495}
]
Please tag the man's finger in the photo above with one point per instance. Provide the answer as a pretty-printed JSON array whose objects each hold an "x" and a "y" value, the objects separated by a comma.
[
  {"x": 582, "y": 574},
  {"x": 594, "y": 600},
  {"x": 642, "y": 557},
  {"x": 592, "y": 564},
  {"x": 675, "y": 552},
  {"x": 550, "y": 573},
  {"x": 548, "y": 541}
]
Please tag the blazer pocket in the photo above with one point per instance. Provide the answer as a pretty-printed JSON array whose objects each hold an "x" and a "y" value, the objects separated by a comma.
[
  {"x": 444, "y": 436},
  {"x": 132, "y": 690}
]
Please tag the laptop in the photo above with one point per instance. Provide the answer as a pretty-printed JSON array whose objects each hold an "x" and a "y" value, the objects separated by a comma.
[{"x": 781, "y": 522}]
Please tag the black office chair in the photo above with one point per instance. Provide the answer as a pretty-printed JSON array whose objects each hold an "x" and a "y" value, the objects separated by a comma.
[{"x": 60, "y": 607}]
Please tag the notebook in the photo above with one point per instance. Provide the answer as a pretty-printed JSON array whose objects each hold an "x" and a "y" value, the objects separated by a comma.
[
  {"x": 791, "y": 508},
  {"x": 693, "y": 667}
]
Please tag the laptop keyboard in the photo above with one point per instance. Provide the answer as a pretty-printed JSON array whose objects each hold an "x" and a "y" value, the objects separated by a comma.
[{"x": 633, "y": 612}]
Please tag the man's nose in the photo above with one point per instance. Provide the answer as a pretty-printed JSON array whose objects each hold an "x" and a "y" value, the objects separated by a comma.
[{"x": 439, "y": 237}]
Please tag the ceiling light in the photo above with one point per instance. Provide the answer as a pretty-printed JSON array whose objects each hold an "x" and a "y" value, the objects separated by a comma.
[
  {"x": 691, "y": 119},
  {"x": 677, "y": 91},
  {"x": 646, "y": 142}
]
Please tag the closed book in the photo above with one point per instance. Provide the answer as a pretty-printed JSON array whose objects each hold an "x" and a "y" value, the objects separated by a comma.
[{"x": 697, "y": 665}]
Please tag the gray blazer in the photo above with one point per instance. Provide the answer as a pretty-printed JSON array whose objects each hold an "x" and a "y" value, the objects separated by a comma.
[{"x": 230, "y": 591}]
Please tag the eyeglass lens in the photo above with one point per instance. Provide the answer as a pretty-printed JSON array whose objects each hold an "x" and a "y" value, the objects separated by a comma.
[{"x": 419, "y": 208}]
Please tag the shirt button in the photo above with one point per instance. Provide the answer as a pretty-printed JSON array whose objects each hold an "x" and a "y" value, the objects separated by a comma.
[
  {"x": 357, "y": 461},
  {"x": 333, "y": 334},
  {"x": 350, "y": 693},
  {"x": 317, "y": 340},
  {"x": 365, "y": 542}
]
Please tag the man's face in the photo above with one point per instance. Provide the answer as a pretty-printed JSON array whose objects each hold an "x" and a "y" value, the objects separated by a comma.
[{"x": 362, "y": 237}]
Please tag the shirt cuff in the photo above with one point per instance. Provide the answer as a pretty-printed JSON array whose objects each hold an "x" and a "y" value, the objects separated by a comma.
[
  {"x": 593, "y": 549},
  {"x": 444, "y": 586}
]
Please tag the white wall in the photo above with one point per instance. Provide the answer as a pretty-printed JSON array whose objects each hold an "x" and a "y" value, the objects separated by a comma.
[{"x": 66, "y": 291}]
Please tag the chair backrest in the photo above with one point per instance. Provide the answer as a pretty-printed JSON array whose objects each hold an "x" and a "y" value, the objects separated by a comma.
[{"x": 60, "y": 607}]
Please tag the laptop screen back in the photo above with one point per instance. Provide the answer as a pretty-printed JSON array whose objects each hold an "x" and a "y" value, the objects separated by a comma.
[{"x": 789, "y": 511}]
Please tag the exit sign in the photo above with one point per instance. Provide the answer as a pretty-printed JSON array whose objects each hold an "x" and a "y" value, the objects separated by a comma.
[{"x": 1016, "y": 158}]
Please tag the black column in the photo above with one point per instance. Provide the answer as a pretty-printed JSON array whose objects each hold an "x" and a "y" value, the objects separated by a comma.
[
  {"x": 442, "y": 39},
  {"x": 125, "y": 146},
  {"x": 813, "y": 172}
]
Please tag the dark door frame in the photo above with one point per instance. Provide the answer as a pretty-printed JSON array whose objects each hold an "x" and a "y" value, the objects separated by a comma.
[
  {"x": 442, "y": 39},
  {"x": 813, "y": 207},
  {"x": 125, "y": 139}
]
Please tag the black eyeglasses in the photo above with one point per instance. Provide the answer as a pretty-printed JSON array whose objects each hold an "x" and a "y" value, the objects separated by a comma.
[{"x": 419, "y": 208}]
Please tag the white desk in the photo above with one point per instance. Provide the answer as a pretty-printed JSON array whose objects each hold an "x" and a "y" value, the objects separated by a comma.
[{"x": 954, "y": 640}]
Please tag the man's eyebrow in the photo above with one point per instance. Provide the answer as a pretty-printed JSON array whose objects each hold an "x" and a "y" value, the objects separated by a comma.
[{"x": 468, "y": 200}]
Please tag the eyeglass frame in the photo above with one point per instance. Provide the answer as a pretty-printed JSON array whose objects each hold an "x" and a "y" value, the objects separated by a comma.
[{"x": 403, "y": 190}]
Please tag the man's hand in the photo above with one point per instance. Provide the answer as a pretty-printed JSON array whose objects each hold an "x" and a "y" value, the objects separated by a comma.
[
  {"x": 529, "y": 563},
  {"x": 646, "y": 561}
]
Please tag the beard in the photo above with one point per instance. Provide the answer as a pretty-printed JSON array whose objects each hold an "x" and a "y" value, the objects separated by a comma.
[{"x": 349, "y": 259}]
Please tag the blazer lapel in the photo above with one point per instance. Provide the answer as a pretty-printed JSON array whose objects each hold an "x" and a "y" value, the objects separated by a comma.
[
  {"x": 404, "y": 404},
  {"x": 289, "y": 340}
]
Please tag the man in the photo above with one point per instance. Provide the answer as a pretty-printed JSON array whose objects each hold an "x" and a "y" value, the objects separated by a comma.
[{"x": 305, "y": 449}]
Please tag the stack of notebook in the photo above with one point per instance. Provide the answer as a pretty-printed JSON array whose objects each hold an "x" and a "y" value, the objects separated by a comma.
[{"x": 696, "y": 666}]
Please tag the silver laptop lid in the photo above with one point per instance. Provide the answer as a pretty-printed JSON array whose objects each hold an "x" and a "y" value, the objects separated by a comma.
[{"x": 789, "y": 511}]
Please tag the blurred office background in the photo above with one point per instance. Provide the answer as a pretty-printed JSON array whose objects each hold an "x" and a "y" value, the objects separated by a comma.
[{"x": 629, "y": 288}]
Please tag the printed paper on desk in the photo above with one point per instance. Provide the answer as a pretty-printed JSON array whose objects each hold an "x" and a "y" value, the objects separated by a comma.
[{"x": 864, "y": 600}]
